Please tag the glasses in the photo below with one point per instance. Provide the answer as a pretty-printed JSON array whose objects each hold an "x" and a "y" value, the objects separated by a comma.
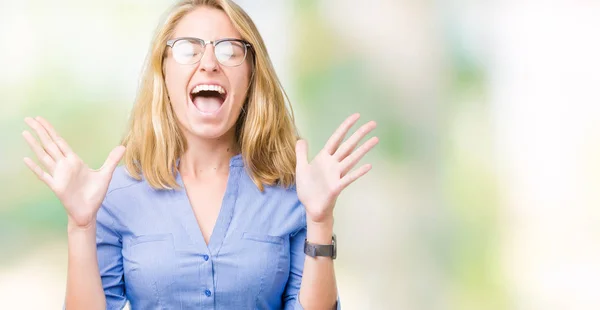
[{"x": 189, "y": 51}]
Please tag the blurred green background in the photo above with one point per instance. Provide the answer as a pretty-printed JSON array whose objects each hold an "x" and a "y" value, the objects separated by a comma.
[{"x": 484, "y": 191}]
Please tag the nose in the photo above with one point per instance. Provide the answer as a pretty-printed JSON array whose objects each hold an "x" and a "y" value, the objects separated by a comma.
[{"x": 209, "y": 61}]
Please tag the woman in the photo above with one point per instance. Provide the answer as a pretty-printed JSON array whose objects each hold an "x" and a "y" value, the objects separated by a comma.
[{"x": 214, "y": 207}]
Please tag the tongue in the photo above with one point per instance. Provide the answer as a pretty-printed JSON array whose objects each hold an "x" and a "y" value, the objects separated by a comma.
[{"x": 207, "y": 104}]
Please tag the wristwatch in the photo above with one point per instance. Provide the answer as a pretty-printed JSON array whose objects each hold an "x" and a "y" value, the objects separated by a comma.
[{"x": 327, "y": 250}]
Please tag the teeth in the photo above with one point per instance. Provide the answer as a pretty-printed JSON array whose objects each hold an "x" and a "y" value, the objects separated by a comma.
[{"x": 206, "y": 87}]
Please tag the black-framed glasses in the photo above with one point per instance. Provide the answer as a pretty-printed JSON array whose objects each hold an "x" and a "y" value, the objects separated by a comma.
[{"x": 229, "y": 52}]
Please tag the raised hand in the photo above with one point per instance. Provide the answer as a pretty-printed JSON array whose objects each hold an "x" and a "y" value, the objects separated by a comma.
[
  {"x": 79, "y": 188},
  {"x": 320, "y": 182}
]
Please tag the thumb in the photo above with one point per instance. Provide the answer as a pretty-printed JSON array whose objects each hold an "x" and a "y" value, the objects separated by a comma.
[
  {"x": 301, "y": 153},
  {"x": 113, "y": 159}
]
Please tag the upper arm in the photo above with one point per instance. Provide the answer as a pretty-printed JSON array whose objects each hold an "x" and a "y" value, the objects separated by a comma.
[
  {"x": 292, "y": 288},
  {"x": 110, "y": 259}
]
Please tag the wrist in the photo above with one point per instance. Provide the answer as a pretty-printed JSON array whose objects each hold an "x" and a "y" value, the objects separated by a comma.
[
  {"x": 74, "y": 228},
  {"x": 319, "y": 232}
]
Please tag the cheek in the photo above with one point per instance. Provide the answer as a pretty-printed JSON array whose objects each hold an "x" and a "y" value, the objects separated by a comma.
[
  {"x": 175, "y": 82},
  {"x": 239, "y": 82}
]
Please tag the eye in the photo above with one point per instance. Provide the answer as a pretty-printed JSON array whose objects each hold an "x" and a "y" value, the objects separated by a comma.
[
  {"x": 230, "y": 53},
  {"x": 186, "y": 51},
  {"x": 225, "y": 49}
]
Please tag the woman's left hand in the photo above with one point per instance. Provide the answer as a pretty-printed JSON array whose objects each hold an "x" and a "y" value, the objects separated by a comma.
[{"x": 320, "y": 182}]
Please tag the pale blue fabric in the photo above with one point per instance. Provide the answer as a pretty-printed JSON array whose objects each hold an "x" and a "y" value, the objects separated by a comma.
[{"x": 152, "y": 253}]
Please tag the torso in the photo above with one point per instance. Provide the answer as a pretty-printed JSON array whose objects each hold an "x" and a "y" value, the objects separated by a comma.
[{"x": 152, "y": 243}]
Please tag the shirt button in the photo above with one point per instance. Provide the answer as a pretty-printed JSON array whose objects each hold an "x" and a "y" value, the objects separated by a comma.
[
  {"x": 207, "y": 293},
  {"x": 205, "y": 257}
]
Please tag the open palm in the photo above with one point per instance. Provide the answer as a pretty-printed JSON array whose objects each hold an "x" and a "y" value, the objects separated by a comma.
[
  {"x": 320, "y": 182},
  {"x": 79, "y": 188}
]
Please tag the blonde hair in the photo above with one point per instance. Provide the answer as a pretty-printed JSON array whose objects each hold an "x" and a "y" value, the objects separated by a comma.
[{"x": 265, "y": 130}]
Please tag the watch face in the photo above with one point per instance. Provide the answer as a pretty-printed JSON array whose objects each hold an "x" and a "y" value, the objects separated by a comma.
[{"x": 334, "y": 241}]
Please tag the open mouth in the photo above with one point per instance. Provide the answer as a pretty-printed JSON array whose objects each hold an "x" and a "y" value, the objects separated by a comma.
[{"x": 208, "y": 98}]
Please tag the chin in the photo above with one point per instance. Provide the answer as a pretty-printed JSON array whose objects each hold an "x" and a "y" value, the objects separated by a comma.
[
  {"x": 199, "y": 126},
  {"x": 208, "y": 131}
]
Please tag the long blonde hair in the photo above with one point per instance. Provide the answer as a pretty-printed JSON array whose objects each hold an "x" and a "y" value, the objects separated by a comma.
[{"x": 265, "y": 130}]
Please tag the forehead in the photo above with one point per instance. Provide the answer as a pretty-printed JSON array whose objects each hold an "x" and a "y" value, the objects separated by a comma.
[{"x": 206, "y": 23}]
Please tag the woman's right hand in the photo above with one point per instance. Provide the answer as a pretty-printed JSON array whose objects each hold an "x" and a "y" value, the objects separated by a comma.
[{"x": 80, "y": 189}]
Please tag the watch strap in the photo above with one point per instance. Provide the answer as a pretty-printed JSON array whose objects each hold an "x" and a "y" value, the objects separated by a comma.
[{"x": 326, "y": 250}]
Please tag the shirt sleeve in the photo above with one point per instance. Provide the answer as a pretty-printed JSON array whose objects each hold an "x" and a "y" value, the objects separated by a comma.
[
  {"x": 290, "y": 294},
  {"x": 110, "y": 259}
]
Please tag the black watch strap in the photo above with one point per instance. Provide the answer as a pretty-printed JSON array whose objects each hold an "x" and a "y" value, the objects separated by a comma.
[{"x": 327, "y": 250}]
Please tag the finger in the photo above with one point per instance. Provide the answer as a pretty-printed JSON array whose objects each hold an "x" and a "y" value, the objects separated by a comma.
[
  {"x": 49, "y": 145},
  {"x": 113, "y": 160},
  {"x": 64, "y": 147},
  {"x": 354, "y": 175},
  {"x": 49, "y": 128},
  {"x": 60, "y": 142},
  {"x": 350, "y": 161},
  {"x": 41, "y": 154},
  {"x": 39, "y": 172},
  {"x": 348, "y": 146},
  {"x": 337, "y": 137},
  {"x": 301, "y": 153}
]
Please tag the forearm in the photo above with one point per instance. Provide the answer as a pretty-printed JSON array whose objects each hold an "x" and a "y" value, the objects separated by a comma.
[
  {"x": 84, "y": 287},
  {"x": 318, "y": 289}
]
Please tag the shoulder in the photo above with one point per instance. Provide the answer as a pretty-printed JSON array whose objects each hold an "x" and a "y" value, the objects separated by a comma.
[
  {"x": 122, "y": 187},
  {"x": 124, "y": 197},
  {"x": 276, "y": 204},
  {"x": 122, "y": 180},
  {"x": 287, "y": 208},
  {"x": 284, "y": 197}
]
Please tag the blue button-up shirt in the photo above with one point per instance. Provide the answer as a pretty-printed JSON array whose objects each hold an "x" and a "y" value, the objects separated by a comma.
[{"x": 151, "y": 250}]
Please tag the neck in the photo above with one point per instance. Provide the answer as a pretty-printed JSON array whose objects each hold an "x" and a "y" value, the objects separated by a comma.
[{"x": 207, "y": 157}]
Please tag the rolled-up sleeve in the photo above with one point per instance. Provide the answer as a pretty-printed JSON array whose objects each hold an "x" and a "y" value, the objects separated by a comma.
[
  {"x": 110, "y": 259},
  {"x": 290, "y": 295}
]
